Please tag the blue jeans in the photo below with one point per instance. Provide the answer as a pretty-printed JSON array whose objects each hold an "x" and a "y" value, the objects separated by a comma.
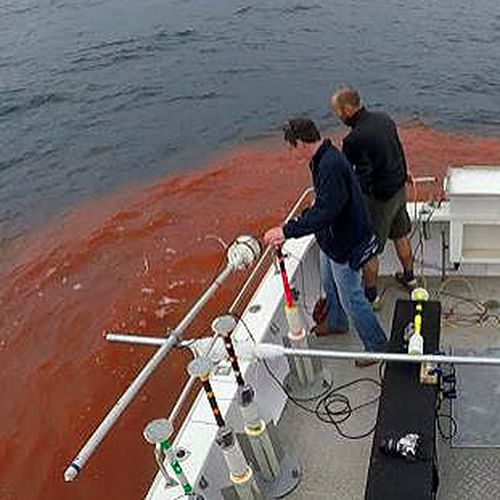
[{"x": 345, "y": 299}]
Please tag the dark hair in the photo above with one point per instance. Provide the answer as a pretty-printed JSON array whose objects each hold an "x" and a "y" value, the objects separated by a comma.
[{"x": 300, "y": 129}]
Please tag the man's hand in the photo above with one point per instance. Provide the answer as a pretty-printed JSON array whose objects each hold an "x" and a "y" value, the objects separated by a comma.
[
  {"x": 410, "y": 179},
  {"x": 274, "y": 236}
]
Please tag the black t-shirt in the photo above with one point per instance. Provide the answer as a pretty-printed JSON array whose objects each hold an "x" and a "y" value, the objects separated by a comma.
[{"x": 374, "y": 149}]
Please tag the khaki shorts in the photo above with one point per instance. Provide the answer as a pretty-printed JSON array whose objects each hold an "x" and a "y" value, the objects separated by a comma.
[{"x": 390, "y": 217}]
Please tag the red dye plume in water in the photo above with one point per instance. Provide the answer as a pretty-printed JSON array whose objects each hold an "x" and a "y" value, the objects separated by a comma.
[{"x": 135, "y": 262}]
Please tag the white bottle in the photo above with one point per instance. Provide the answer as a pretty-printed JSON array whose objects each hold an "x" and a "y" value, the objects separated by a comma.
[{"x": 416, "y": 344}]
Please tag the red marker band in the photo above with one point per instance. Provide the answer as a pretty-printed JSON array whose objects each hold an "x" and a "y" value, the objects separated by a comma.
[{"x": 284, "y": 277}]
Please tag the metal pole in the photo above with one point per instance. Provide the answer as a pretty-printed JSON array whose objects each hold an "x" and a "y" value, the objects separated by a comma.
[
  {"x": 180, "y": 401},
  {"x": 131, "y": 338},
  {"x": 276, "y": 350},
  {"x": 425, "y": 179},
  {"x": 254, "y": 426},
  {"x": 158, "y": 433},
  {"x": 187, "y": 389},
  {"x": 240, "y": 473},
  {"x": 125, "y": 338},
  {"x": 159, "y": 341},
  {"x": 125, "y": 399}
]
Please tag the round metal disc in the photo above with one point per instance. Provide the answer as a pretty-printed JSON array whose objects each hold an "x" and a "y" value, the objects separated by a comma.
[
  {"x": 224, "y": 325},
  {"x": 157, "y": 431},
  {"x": 200, "y": 366}
]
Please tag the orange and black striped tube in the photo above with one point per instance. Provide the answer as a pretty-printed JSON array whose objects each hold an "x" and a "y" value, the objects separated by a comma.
[
  {"x": 228, "y": 343},
  {"x": 213, "y": 403}
]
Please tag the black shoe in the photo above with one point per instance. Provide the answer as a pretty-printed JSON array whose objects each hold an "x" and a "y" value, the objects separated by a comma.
[
  {"x": 323, "y": 330},
  {"x": 407, "y": 280},
  {"x": 364, "y": 363}
]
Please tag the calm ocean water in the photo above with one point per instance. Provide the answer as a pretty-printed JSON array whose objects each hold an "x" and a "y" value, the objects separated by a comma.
[{"x": 98, "y": 94}]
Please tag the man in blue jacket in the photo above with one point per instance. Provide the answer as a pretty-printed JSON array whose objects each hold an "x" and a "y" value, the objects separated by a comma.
[{"x": 340, "y": 221}]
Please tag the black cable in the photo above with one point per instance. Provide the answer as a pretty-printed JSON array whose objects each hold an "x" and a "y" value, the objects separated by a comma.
[
  {"x": 381, "y": 373},
  {"x": 295, "y": 400},
  {"x": 332, "y": 407},
  {"x": 447, "y": 436},
  {"x": 240, "y": 319},
  {"x": 418, "y": 229},
  {"x": 327, "y": 411},
  {"x": 273, "y": 376},
  {"x": 450, "y": 435}
]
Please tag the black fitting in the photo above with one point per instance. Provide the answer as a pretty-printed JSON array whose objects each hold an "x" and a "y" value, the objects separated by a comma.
[
  {"x": 449, "y": 379},
  {"x": 437, "y": 370},
  {"x": 450, "y": 394},
  {"x": 247, "y": 395},
  {"x": 225, "y": 437}
]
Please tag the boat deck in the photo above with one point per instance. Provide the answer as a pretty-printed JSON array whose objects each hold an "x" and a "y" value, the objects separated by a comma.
[{"x": 335, "y": 467}]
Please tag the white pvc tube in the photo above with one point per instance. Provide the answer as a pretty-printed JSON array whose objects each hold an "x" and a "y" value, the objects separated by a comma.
[
  {"x": 273, "y": 350},
  {"x": 135, "y": 339},
  {"x": 265, "y": 454},
  {"x": 236, "y": 461},
  {"x": 131, "y": 338}
]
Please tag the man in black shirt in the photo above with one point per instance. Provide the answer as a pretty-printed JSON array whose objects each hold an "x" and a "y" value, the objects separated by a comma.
[
  {"x": 340, "y": 221},
  {"x": 374, "y": 149}
]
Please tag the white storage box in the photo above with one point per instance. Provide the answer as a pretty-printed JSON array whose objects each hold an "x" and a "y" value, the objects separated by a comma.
[{"x": 474, "y": 194}]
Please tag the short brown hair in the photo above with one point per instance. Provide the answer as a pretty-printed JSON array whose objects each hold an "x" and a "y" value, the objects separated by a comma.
[
  {"x": 348, "y": 96},
  {"x": 300, "y": 129}
]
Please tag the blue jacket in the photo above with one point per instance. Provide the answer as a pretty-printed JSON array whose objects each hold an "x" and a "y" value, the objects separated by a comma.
[{"x": 339, "y": 217}]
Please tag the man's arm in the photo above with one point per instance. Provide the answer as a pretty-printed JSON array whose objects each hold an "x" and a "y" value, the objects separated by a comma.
[
  {"x": 359, "y": 159},
  {"x": 331, "y": 195}
]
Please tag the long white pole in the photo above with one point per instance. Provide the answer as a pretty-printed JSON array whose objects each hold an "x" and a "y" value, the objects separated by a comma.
[
  {"x": 273, "y": 350},
  {"x": 125, "y": 399},
  {"x": 138, "y": 339}
]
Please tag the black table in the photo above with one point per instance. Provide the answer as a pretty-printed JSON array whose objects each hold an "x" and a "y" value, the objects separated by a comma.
[{"x": 406, "y": 406}]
